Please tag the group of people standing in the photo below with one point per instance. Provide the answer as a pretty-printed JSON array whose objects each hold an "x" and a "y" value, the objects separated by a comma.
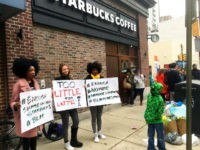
[
  {"x": 169, "y": 78},
  {"x": 137, "y": 86},
  {"x": 26, "y": 70},
  {"x": 159, "y": 91}
]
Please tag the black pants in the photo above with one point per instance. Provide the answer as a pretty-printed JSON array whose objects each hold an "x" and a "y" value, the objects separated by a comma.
[
  {"x": 29, "y": 143},
  {"x": 140, "y": 92},
  {"x": 65, "y": 121},
  {"x": 129, "y": 96}
]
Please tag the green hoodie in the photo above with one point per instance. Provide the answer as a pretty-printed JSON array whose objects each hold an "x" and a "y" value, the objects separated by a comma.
[{"x": 155, "y": 105}]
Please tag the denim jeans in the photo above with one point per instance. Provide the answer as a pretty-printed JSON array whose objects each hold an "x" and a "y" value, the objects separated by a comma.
[{"x": 159, "y": 128}]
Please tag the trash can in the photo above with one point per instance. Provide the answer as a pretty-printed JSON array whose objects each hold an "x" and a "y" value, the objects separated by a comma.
[{"x": 180, "y": 95}]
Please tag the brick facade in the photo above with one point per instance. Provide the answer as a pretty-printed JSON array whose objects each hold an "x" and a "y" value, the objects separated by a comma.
[
  {"x": 2, "y": 72},
  {"x": 14, "y": 46},
  {"x": 52, "y": 46},
  {"x": 143, "y": 47}
]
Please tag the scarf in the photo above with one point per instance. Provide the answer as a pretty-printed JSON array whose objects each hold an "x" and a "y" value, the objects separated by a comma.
[{"x": 95, "y": 77}]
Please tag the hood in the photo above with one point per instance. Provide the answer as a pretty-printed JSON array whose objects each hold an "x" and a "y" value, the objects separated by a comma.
[{"x": 156, "y": 88}]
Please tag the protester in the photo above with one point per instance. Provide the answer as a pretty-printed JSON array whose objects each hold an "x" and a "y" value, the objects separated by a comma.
[
  {"x": 195, "y": 72},
  {"x": 172, "y": 79},
  {"x": 153, "y": 117},
  {"x": 160, "y": 78},
  {"x": 94, "y": 70},
  {"x": 139, "y": 80},
  {"x": 73, "y": 113},
  {"x": 26, "y": 71}
]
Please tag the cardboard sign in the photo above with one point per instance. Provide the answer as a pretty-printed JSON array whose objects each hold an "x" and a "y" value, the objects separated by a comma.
[
  {"x": 102, "y": 91},
  {"x": 69, "y": 94},
  {"x": 36, "y": 108}
]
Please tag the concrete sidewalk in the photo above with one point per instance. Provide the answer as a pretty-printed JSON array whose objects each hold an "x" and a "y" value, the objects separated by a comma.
[{"x": 124, "y": 127}]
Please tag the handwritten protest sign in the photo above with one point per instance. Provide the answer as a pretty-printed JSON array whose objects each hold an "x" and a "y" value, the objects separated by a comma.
[
  {"x": 102, "y": 91},
  {"x": 69, "y": 94},
  {"x": 36, "y": 108}
]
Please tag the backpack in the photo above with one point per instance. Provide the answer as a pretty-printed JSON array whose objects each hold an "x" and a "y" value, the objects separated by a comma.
[{"x": 55, "y": 129}]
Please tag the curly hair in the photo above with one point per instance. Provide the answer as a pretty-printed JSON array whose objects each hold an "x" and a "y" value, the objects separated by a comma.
[
  {"x": 21, "y": 66},
  {"x": 94, "y": 65}
]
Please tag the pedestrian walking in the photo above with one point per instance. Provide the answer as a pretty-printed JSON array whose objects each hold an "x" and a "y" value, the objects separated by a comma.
[
  {"x": 94, "y": 70},
  {"x": 73, "y": 113},
  {"x": 153, "y": 117},
  {"x": 139, "y": 80},
  {"x": 26, "y": 70}
]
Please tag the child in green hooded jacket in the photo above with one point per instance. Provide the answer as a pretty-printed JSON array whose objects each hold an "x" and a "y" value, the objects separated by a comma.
[{"x": 153, "y": 117}]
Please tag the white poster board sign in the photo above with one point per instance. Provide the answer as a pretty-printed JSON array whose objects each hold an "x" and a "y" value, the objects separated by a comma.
[
  {"x": 36, "y": 108},
  {"x": 69, "y": 94},
  {"x": 102, "y": 91}
]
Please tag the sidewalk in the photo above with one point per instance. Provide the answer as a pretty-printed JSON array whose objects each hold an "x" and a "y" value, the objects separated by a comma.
[{"x": 124, "y": 127}]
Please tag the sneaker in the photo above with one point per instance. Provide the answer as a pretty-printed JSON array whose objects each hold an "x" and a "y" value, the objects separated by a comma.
[
  {"x": 68, "y": 146},
  {"x": 100, "y": 134},
  {"x": 96, "y": 138}
]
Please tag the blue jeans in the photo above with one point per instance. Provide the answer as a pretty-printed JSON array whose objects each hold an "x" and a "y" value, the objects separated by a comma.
[{"x": 159, "y": 128}]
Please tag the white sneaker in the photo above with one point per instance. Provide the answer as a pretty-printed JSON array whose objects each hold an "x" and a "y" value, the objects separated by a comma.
[
  {"x": 68, "y": 146},
  {"x": 100, "y": 134},
  {"x": 96, "y": 138}
]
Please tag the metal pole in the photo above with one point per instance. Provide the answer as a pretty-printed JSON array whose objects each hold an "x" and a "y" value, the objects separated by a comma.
[
  {"x": 182, "y": 55},
  {"x": 190, "y": 13}
]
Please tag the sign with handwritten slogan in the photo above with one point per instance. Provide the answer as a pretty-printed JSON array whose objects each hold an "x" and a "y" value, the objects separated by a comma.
[
  {"x": 69, "y": 94},
  {"x": 102, "y": 91},
  {"x": 36, "y": 108}
]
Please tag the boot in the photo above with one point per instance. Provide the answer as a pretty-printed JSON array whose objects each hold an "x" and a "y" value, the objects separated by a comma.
[
  {"x": 68, "y": 146},
  {"x": 74, "y": 141},
  {"x": 96, "y": 138}
]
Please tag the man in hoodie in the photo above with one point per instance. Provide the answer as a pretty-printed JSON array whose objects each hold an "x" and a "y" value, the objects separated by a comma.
[
  {"x": 195, "y": 72},
  {"x": 153, "y": 117}
]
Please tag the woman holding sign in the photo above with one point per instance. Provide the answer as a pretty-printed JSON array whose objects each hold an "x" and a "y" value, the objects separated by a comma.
[
  {"x": 65, "y": 75},
  {"x": 26, "y": 70},
  {"x": 94, "y": 70}
]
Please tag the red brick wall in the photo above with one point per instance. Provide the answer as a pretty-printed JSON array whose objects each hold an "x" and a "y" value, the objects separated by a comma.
[
  {"x": 53, "y": 46},
  {"x": 2, "y": 73},
  {"x": 143, "y": 47},
  {"x": 16, "y": 47}
]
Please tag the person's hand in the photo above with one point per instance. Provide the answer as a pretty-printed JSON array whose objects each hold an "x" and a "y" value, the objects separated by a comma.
[{"x": 16, "y": 106}]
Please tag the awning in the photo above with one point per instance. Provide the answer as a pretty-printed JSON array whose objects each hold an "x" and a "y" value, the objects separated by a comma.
[{"x": 9, "y": 8}]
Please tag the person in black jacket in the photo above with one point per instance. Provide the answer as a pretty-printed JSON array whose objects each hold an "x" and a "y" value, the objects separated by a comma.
[
  {"x": 172, "y": 78},
  {"x": 65, "y": 75},
  {"x": 195, "y": 72},
  {"x": 94, "y": 70}
]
